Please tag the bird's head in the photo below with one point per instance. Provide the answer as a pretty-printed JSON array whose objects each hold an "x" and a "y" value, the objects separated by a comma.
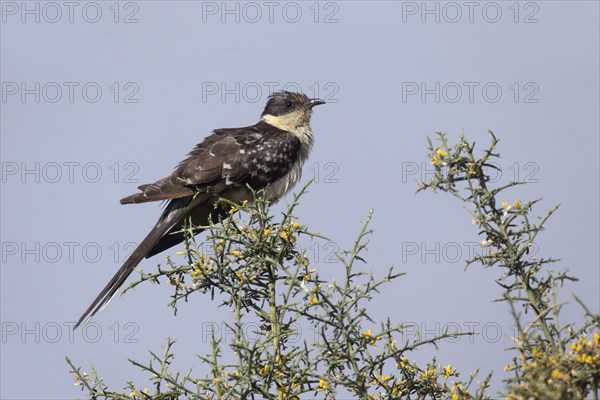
[{"x": 288, "y": 110}]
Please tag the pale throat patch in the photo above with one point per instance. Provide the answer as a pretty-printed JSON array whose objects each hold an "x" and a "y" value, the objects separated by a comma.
[{"x": 295, "y": 123}]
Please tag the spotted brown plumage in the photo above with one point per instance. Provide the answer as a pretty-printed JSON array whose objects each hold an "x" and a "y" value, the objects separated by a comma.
[{"x": 268, "y": 154}]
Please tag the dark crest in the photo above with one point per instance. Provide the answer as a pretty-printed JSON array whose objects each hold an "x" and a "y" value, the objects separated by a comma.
[{"x": 283, "y": 102}]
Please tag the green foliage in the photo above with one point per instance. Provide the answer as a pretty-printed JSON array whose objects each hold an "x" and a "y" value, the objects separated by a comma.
[
  {"x": 266, "y": 280},
  {"x": 542, "y": 366}
]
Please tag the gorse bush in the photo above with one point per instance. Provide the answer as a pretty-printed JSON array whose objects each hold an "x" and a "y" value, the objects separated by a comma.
[
  {"x": 266, "y": 280},
  {"x": 551, "y": 361}
]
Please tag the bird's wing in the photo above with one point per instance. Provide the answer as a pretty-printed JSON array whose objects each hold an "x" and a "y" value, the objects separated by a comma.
[
  {"x": 197, "y": 170},
  {"x": 243, "y": 157},
  {"x": 255, "y": 155},
  {"x": 165, "y": 189}
]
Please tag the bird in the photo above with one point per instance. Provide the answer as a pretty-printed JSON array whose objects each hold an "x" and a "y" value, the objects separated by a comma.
[{"x": 229, "y": 164}]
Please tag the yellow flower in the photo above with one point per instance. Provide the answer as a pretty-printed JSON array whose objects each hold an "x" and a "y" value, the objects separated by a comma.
[
  {"x": 455, "y": 396},
  {"x": 505, "y": 204},
  {"x": 244, "y": 203},
  {"x": 145, "y": 390},
  {"x": 403, "y": 362},
  {"x": 133, "y": 393},
  {"x": 448, "y": 372},
  {"x": 435, "y": 161},
  {"x": 295, "y": 225},
  {"x": 282, "y": 389},
  {"x": 587, "y": 359},
  {"x": 556, "y": 374},
  {"x": 265, "y": 369},
  {"x": 313, "y": 301},
  {"x": 368, "y": 335},
  {"x": 284, "y": 235},
  {"x": 516, "y": 204},
  {"x": 266, "y": 232},
  {"x": 383, "y": 378},
  {"x": 323, "y": 385},
  {"x": 430, "y": 373},
  {"x": 535, "y": 353},
  {"x": 441, "y": 153}
]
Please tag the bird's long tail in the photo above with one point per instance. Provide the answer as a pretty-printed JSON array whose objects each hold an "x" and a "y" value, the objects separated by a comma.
[{"x": 174, "y": 212}]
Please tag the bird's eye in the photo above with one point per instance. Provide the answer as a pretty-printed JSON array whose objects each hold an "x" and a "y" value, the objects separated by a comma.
[{"x": 288, "y": 104}]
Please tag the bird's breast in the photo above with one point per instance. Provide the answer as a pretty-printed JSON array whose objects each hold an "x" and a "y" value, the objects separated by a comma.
[{"x": 284, "y": 184}]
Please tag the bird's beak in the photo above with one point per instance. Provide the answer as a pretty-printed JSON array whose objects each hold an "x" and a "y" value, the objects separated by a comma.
[{"x": 315, "y": 102}]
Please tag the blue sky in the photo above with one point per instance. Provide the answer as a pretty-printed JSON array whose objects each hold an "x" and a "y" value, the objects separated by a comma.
[{"x": 98, "y": 98}]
